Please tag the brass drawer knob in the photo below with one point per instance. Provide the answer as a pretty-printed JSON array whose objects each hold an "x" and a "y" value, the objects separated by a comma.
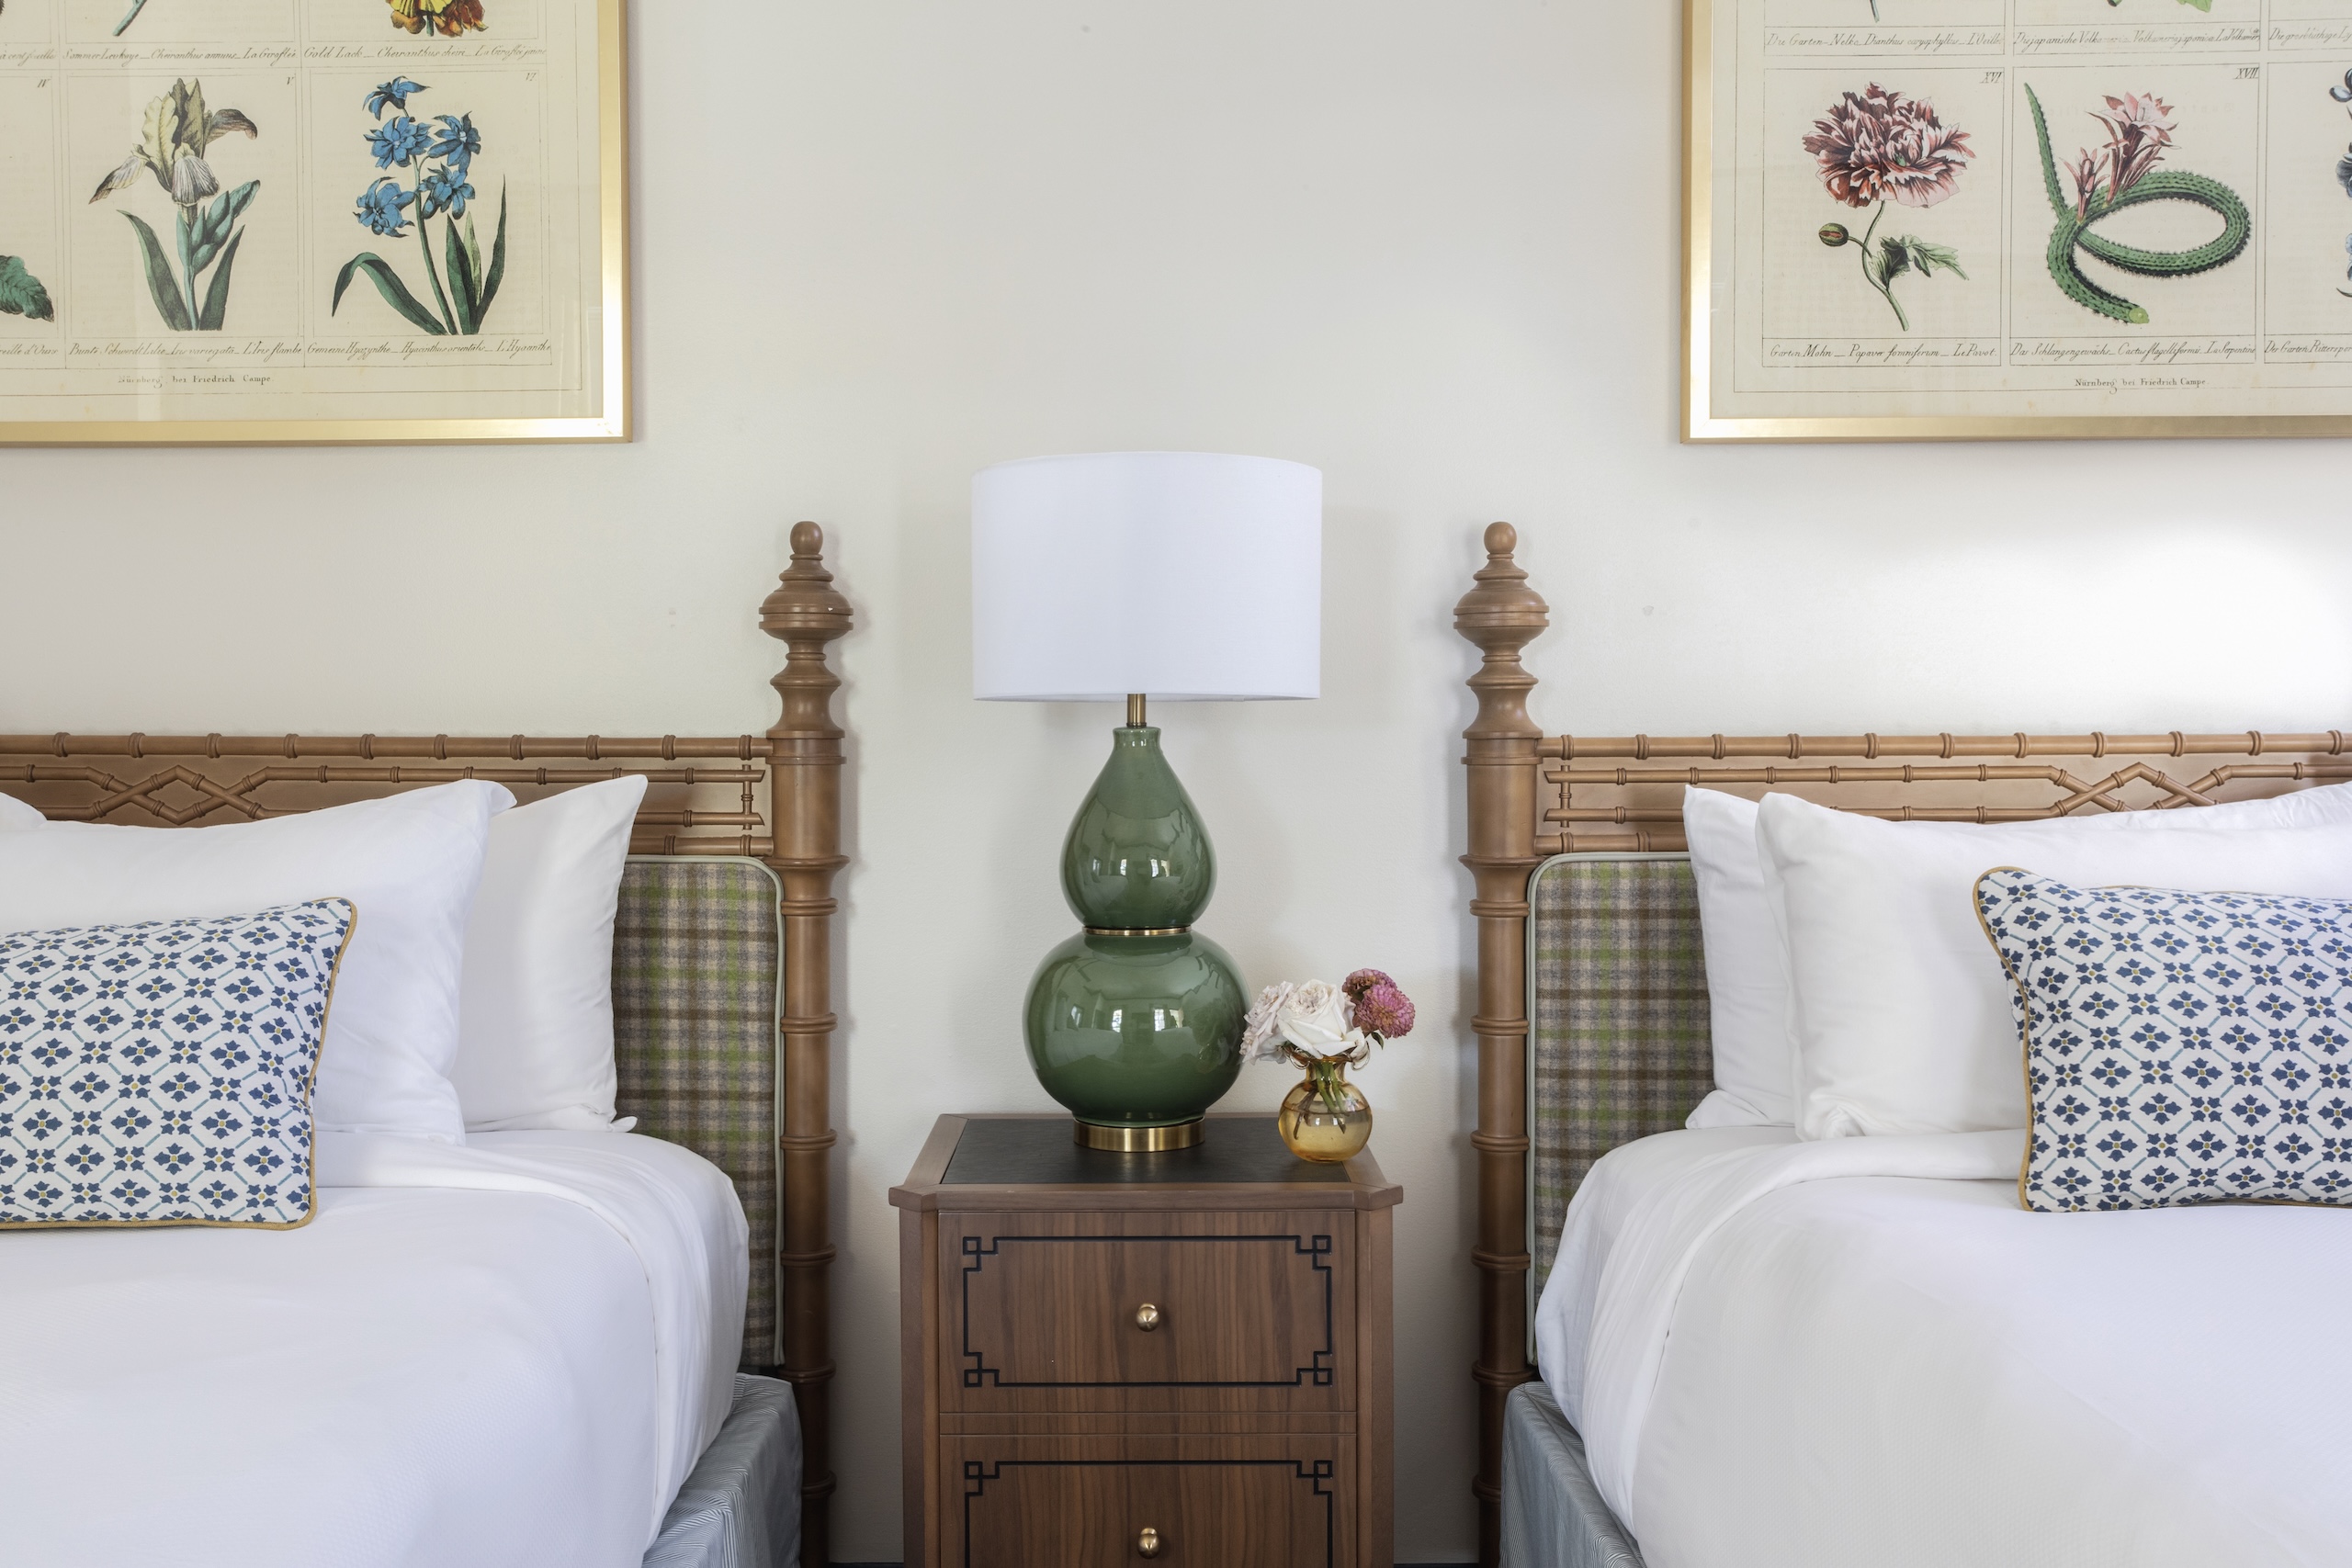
[
  {"x": 1148, "y": 1543},
  {"x": 1147, "y": 1319}
]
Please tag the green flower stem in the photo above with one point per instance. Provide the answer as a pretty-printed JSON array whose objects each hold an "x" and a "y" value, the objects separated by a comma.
[
  {"x": 1885, "y": 291},
  {"x": 186, "y": 271},
  {"x": 423, "y": 231},
  {"x": 1324, "y": 1073}
]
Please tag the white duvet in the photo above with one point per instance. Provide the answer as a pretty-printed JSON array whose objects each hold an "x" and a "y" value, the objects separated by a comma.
[
  {"x": 1862, "y": 1352},
  {"x": 510, "y": 1352}
]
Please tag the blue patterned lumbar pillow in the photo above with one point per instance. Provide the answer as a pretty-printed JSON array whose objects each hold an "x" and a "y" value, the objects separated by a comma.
[
  {"x": 2179, "y": 1047},
  {"x": 160, "y": 1074}
]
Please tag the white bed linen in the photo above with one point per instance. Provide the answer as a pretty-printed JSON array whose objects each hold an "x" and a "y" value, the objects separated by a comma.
[
  {"x": 1794, "y": 1360},
  {"x": 510, "y": 1352},
  {"x": 1610, "y": 1192}
]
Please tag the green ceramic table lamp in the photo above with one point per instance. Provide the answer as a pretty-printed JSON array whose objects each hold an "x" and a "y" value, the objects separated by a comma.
[{"x": 1167, "y": 576}]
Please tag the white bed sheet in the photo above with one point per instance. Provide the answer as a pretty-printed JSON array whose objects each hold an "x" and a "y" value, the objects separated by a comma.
[
  {"x": 1863, "y": 1351},
  {"x": 510, "y": 1352}
]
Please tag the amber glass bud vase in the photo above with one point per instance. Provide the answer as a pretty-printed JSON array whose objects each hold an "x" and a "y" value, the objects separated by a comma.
[
  {"x": 1135, "y": 1023},
  {"x": 1327, "y": 1119}
]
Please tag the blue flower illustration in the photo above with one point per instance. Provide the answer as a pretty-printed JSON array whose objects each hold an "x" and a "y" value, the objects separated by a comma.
[
  {"x": 446, "y": 190},
  {"x": 382, "y": 208},
  {"x": 440, "y": 153},
  {"x": 393, "y": 94},
  {"x": 458, "y": 140},
  {"x": 401, "y": 143}
]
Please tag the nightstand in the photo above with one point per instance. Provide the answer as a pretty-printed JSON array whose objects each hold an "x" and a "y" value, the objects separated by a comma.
[{"x": 1106, "y": 1359}]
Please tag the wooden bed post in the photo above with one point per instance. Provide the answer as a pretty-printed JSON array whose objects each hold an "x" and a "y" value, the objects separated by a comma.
[
  {"x": 805, "y": 780},
  {"x": 1501, "y": 616}
]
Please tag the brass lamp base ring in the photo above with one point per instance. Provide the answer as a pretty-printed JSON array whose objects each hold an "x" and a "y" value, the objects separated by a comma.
[{"x": 1139, "y": 1140}]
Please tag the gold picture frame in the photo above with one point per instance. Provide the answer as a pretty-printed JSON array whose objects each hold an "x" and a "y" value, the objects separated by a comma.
[
  {"x": 583, "y": 347},
  {"x": 1718, "y": 407}
]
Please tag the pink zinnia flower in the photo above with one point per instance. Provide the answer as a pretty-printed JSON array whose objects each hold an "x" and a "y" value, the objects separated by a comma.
[
  {"x": 1878, "y": 146},
  {"x": 1384, "y": 1011},
  {"x": 1363, "y": 980}
]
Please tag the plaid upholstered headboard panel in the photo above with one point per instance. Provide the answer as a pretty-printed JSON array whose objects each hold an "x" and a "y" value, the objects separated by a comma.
[
  {"x": 1618, "y": 1046},
  {"x": 698, "y": 956}
]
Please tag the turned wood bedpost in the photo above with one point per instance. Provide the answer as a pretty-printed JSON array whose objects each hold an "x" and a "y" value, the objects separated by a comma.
[
  {"x": 805, "y": 779},
  {"x": 1501, "y": 616}
]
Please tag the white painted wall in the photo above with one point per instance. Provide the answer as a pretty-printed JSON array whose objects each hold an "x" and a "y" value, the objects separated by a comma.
[{"x": 1430, "y": 248}]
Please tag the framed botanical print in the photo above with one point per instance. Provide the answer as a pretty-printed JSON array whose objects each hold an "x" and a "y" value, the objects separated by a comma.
[
  {"x": 1938, "y": 219},
  {"x": 264, "y": 221}
]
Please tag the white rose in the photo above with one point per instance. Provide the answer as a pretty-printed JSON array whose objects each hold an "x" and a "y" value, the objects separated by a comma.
[
  {"x": 1260, "y": 1041},
  {"x": 1314, "y": 1018}
]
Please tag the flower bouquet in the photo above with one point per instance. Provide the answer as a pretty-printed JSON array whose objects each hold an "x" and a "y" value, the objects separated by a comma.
[{"x": 1325, "y": 1028}]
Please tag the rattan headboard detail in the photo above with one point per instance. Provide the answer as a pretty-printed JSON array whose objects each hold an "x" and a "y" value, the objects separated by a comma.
[
  {"x": 1610, "y": 794},
  {"x": 188, "y": 780},
  {"x": 1532, "y": 798},
  {"x": 705, "y": 796}
]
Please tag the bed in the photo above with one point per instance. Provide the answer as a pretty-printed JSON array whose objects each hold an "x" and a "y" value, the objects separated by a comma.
[
  {"x": 1759, "y": 1351},
  {"x": 531, "y": 1346}
]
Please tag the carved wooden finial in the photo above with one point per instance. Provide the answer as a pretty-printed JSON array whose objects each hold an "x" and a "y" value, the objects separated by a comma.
[
  {"x": 1502, "y": 616},
  {"x": 805, "y": 613}
]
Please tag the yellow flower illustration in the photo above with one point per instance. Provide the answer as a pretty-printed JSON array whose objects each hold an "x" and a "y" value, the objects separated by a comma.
[{"x": 447, "y": 17}]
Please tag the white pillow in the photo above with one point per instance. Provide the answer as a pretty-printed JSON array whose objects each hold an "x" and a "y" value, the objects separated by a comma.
[
  {"x": 536, "y": 1028},
  {"x": 1897, "y": 1001},
  {"x": 1747, "y": 993},
  {"x": 15, "y": 813},
  {"x": 1748, "y": 984},
  {"x": 409, "y": 863}
]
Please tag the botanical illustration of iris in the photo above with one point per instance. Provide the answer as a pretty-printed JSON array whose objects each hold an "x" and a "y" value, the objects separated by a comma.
[
  {"x": 1877, "y": 147},
  {"x": 440, "y": 155},
  {"x": 173, "y": 146},
  {"x": 447, "y": 17}
]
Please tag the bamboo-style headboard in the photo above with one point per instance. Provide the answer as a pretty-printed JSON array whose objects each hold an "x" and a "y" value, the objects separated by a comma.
[
  {"x": 704, "y": 796},
  {"x": 1532, "y": 798}
]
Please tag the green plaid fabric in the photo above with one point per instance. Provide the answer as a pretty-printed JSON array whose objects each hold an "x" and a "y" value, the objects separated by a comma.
[
  {"x": 697, "y": 951},
  {"x": 1619, "y": 1046}
]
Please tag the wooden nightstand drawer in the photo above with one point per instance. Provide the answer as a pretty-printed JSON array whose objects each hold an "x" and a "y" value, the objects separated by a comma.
[
  {"x": 1149, "y": 1312},
  {"x": 1233, "y": 1503},
  {"x": 1051, "y": 1420}
]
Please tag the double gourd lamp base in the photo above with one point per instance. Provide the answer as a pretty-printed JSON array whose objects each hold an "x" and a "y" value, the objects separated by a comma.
[
  {"x": 1135, "y": 1021},
  {"x": 1184, "y": 575}
]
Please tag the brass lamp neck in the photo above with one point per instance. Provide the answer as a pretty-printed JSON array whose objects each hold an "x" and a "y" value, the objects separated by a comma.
[{"x": 1135, "y": 710}]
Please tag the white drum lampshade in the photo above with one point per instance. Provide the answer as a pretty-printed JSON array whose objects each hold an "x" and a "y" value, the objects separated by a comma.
[{"x": 1183, "y": 576}]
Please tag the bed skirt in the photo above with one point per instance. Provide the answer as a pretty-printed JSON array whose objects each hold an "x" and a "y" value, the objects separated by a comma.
[
  {"x": 1553, "y": 1515},
  {"x": 740, "y": 1507}
]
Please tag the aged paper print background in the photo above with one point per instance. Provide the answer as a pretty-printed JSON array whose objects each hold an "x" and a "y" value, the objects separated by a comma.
[
  {"x": 501, "y": 122},
  {"x": 2247, "y": 102}
]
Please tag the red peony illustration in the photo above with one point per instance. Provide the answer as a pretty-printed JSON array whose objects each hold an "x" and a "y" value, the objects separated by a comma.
[{"x": 1879, "y": 146}]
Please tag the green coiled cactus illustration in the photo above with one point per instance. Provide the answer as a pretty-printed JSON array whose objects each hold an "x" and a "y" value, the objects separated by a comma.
[{"x": 2124, "y": 174}]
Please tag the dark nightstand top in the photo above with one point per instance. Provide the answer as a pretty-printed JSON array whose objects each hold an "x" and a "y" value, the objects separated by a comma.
[
  {"x": 1024, "y": 1150},
  {"x": 974, "y": 1163}
]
